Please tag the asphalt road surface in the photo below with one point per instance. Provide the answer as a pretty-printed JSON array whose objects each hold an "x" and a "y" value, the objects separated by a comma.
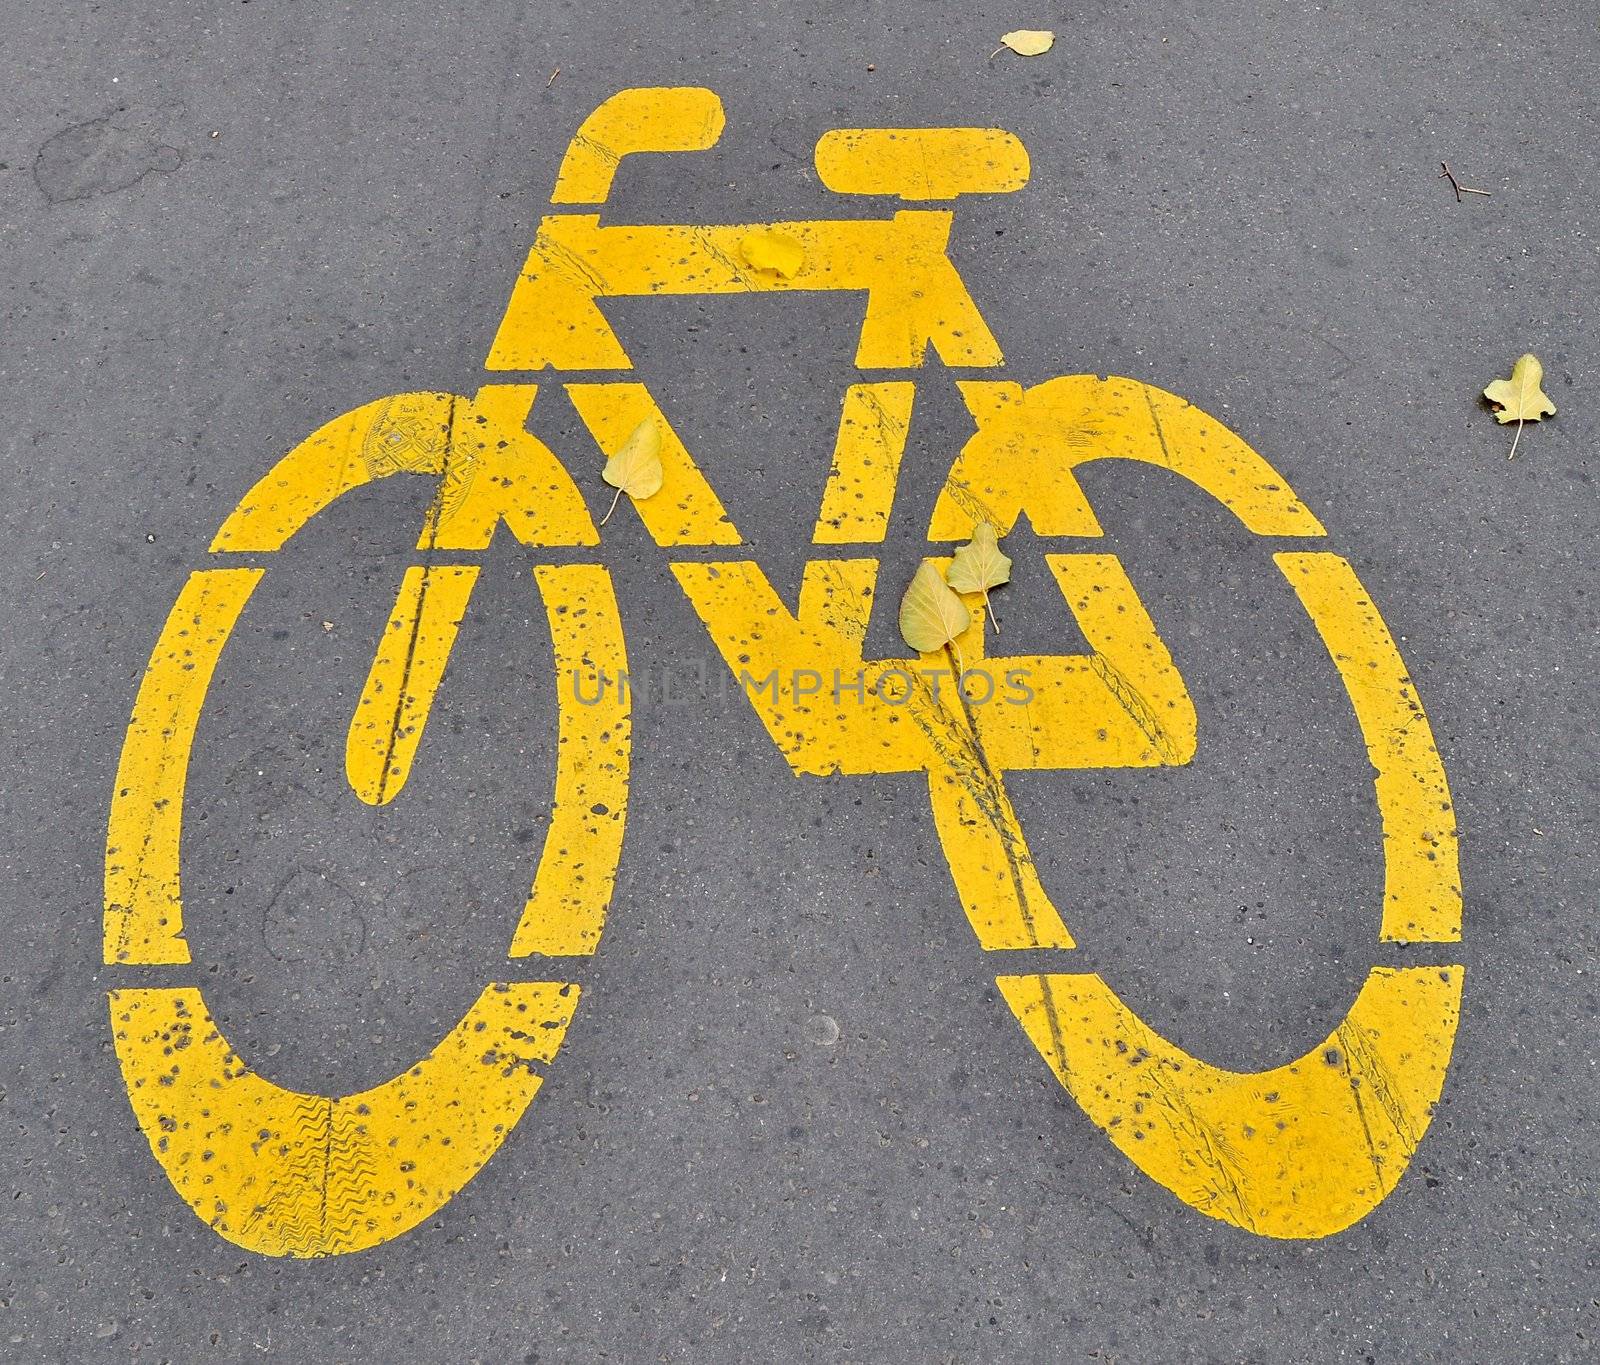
[{"x": 794, "y": 1118}]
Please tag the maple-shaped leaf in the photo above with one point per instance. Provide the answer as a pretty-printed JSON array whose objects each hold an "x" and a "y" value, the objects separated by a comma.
[
  {"x": 636, "y": 468},
  {"x": 1521, "y": 399},
  {"x": 979, "y": 565}
]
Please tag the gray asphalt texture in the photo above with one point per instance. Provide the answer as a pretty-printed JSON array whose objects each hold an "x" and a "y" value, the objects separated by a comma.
[{"x": 223, "y": 225}]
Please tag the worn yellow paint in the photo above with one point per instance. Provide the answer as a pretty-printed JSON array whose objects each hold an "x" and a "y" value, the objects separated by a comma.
[
  {"x": 859, "y": 494},
  {"x": 405, "y": 433},
  {"x": 296, "y": 1174},
  {"x": 1298, "y": 1151},
  {"x": 685, "y": 510},
  {"x": 1124, "y": 705},
  {"x": 1422, "y": 876},
  {"x": 1029, "y": 442},
  {"x": 921, "y": 163},
  {"x": 572, "y": 888},
  {"x": 659, "y": 119},
  {"x": 507, "y": 474},
  {"x": 290, "y": 1173},
  {"x": 143, "y": 920},
  {"x": 1128, "y": 708},
  {"x": 488, "y": 468},
  {"x": 915, "y": 296},
  {"x": 406, "y": 671},
  {"x": 1302, "y": 1150}
]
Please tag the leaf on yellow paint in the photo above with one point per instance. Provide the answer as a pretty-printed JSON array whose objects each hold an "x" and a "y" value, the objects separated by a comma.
[
  {"x": 931, "y": 615},
  {"x": 979, "y": 565},
  {"x": 775, "y": 252},
  {"x": 636, "y": 468},
  {"x": 1521, "y": 399},
  {"x": 1029, "y": 42}
]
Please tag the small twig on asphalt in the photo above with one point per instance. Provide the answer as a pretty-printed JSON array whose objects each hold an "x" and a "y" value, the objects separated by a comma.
[
  {"x": 1457, "y": 186},
  {"x": 557, "y": 72}
]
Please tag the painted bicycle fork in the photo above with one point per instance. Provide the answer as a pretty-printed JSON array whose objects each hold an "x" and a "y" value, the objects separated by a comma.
[{"x": 1300, "y": 1150}]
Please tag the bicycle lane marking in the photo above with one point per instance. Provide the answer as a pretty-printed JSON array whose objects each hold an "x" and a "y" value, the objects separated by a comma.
[{"x": 1350, "y": 1127}]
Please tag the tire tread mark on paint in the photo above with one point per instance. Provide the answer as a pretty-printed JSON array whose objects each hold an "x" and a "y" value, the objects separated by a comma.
[
  {"x": 960, "y": 493},
  {"x": 1155, "y": 418},
  {"x": 1363, "y": 1064},
  {"x": 969, "y": 764},
  {"x": 1210, "y": 1145},
  {"x": 1139, "y": 711},
  {"x": 349, "y": 1176},
  {"x": 435, "y": 515},
  {"x": 602, "y": 150},
  {"x": 285, "y": 1206},
  {"x": 1366, "y": 1124},
  {"x": 707, "y": 243},
  {"x": 1003, "y": 828},
  {"x": 563, "y": 261}
]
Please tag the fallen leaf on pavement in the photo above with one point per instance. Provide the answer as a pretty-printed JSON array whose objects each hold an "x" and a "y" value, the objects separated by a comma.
[
  {"x": 931, "y": 615},
  {"x": 1028, "y": 42},
  {"x": 773, "y": 251},
  {"x": 1521, "y": 399},
  {"x": 636, "y": 468},
  {"x": 979, "y": 566}
]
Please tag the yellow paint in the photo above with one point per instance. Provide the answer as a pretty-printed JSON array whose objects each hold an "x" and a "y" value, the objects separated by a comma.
[
  {"x": 289, "y": 1173},
  {"x": 567, "y": 907},
  {"x": 1124, "y": 705},
  {"x": 685, "y": 510},
  {"x": 1422, "y": 876},
  {"x": 1297, "y": 1151},
  {"x": 915, "y": 296},
  {"x": 859, "y": 494},
  {"x": 143, "y": 920},
  {"x": 295, "y": 1174},
  {"x": 1029, "y": 442},
  {"x": 1302, "y": 1150},
  {"x": 406, "y": 671},
  {"x": 921, "y": 163},
  {"x": 405, "y": 433},
  {"x": 489, "y": 468},
  {"x": 663, "y": 119},
  {"x": 514, "y": 478}
]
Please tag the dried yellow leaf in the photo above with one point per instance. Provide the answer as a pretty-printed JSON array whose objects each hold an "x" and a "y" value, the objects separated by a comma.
[
  {"x": 931, "y": 615},
  {"x": 1029, "y": 42},
  {"x": 776, "y": 252},
  {"x": 636, "y": 468},
  {"x": 1521, "y": 399},
  {"x": 979, "y": 565}
]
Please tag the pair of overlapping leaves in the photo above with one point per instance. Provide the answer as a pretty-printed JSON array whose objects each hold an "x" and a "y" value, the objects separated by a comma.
[{"x": 931, "y": 614}]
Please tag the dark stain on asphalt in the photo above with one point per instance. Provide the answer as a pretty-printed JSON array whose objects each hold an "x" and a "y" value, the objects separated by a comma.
[{"x": 98, "y": 157}]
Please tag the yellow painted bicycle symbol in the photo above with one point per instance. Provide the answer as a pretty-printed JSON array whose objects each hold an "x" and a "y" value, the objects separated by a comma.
[{"x": 1300, "y": 1150}]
